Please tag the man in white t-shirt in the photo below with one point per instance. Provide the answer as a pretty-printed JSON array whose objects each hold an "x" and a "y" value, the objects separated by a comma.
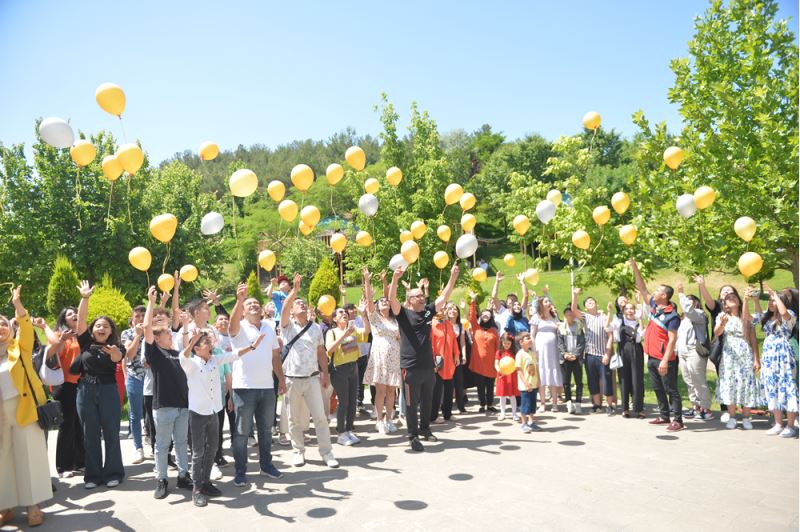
[{"x": 253, "y": 387}]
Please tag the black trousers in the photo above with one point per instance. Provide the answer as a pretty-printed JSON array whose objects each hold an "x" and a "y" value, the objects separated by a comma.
[
  {"x": 461, "y": 391},
  {"x": 149, "y": 421},
  {"x": 362, "y": 369},
  {"x": 203, "y": 430},
  {"x": 570, "y": 369},
  {"x": 631, "y": 379},
  {"x": 220, "y": 427},
  {"x": 442, "y": 398},
  {"x": 419, "y": 384},
  {"x": 666, "y": 389},
  {"x": 345, "y": 381},
  {"x": 70, "y": 453},
  {"x": 485, "y": 391}
]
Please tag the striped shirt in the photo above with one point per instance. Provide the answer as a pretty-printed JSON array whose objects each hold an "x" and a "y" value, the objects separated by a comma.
[{"x": 596, "y": 336}]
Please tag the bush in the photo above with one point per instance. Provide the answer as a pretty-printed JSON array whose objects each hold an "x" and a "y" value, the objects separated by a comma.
[
  {"x": 62, "y": 291},
  {"x": 325, "y": 281},
  {"x": 108, "y": 301},
  {"x": 254, "y": 287}
]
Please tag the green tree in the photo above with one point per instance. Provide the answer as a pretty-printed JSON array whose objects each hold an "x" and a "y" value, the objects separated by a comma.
[
  {"x": 62, "y": 291},
  {"x": 254, "y": 287},
  {"x": 109, "y": 301},
  {"x": 325, "y": 281}
]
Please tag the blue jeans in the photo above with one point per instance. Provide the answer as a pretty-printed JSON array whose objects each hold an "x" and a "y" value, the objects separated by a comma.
[
  {"x": 248, "y": 403},
  {"x": 99, "y": 411},
  {"x": 135, "y": 389},
  {"x": 172, "y": 424}
]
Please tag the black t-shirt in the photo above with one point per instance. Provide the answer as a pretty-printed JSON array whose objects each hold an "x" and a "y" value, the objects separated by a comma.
[
  {"x": 715, "y": 312},
  {"x": 93, "y": 361},
  {"x": 415, "y": 337},
  {"x": 169, "y": 380}
]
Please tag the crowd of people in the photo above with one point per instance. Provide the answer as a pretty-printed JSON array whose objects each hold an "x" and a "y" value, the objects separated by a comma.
[{"x": 183, "y": 374}]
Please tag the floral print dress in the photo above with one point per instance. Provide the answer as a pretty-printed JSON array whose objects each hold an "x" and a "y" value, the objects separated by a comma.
[
  {"x": 778, "y": 386},
  {"x": 737, "y": 378},
  {"x": 383, "y": 366}
]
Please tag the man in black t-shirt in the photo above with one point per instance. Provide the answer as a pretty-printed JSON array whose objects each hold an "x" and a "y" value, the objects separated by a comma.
[{"x": 416, "y": 353}]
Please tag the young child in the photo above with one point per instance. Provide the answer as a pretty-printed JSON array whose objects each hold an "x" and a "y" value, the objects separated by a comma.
[
  {"x": 527, "y": 381},
  {"x": 505, "y": 385}
]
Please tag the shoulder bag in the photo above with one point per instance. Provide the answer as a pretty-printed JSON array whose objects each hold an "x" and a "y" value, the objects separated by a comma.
[
  {"x": 49, "y": 414},
  {"x": 288, "y": 347}
]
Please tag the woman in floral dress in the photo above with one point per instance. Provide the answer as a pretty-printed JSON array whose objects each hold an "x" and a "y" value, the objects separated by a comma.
[
  {"x": 777, "y": 359},
  {"x": 737, "y": 377},
  {"x": 544, "y": 329}
]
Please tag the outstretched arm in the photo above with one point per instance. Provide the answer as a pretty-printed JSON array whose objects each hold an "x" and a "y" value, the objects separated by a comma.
[
  {"x": 148, "y": 315},
  {"x": 575, "y": 310},
  {"x": 176, "y": 303},
  {"x": 367, "y": 277},
  {"x": 710, "y": 302},
  {"x": 393, "y": 302},
  {"x": 83, "y": 307},
  {"x": 495, "y": 288},
  {"x": 238, "y": 310},
  {"x": 640, "y": 285},
  {"x": 288, "y": 303},
  {"x": 448, "y": 290}
]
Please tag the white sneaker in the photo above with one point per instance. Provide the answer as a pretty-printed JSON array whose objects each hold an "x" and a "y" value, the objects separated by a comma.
[
  {"x": 380, "y": 427},
  {"x": 344, "y": 439},
  {"x": 570, "y": 407},
  {"x": 330, "y": 461},
  {"x": 577, "y": 409},
  {"x": 372, "y": 413},
  {"x": 501, "y": 417},
  {"x": 391, "y": 428},
  {"x": 789, "y": 432},
  {"x": 89, "y": 485},
  {"x": 148, "y": 454},
  {"x": 112, "y": 483},
  {"x": 542, "y": 409},
  {"x": 138, "y": 456},
  {"x": 731, "y": 424},
  {"x": 776, "y": 429},
  {"x": 298, "y": 459},
  {"x": 216, "y": 474},
  {"x": 66, "y": 474},
  {"x": 725, "y": 417},
  {"x": 515, "y": 417},
  {"x": 747, "y": 424},
  {"x": 353, "y": 438}
]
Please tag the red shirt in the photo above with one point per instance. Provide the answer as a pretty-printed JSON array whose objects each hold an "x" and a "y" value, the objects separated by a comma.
[
  {"x": 446, "y": 344},
  {"x": 484, "y": 346},
  {"x": 656, "y": 336}
]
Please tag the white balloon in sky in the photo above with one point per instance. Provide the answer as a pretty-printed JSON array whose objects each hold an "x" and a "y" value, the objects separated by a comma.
[
  {"x": 368, "y": 204},
  {"x": 545, "y": 211},
  {"x": 56, "y": 132},
  {"x": 466, "y": 246},
  {"x": 685, "y": 205},
  {"x": 397, "y": 262},
  {"x": 212, "y": 223}
]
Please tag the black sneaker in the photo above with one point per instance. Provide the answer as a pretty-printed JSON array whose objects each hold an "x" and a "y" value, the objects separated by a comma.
[
  {"x": 221, "y": 462},
  {"x": 210, "y": 490},
  {"x": 185, "y": 482},
  {"x": 595, "y": 408},
  {"x": 482, "y": 410},
  {"x": 428, "y": 435},
  {"x": 171, "y": 462},
  {"x": 610, "y": 411},
  {"x": 161, "y": 489},
  {"x": 491, "y": 409},
  {"x": 199, "y": 499},
  {"x": 416, "y": 445}
]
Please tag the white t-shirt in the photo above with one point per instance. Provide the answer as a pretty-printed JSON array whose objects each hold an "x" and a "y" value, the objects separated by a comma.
[
  {"x": 302, "y": 360},
  {"x": 254, "y": 370}
]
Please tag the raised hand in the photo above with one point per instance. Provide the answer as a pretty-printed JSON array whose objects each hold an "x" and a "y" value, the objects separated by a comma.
[
  {"x": 679, "y": 287},
  {"x": 362, "y": 306},
  {"x": 177, "y": 277},
  {"x": 521, "y": 277},
  {"x": 342, "y": 289},
  {"x": 152, "y": 294},
  {"x": 398, "y": 273},
  {"x": 84, "y": 288},
  {"x": 367, "y": 276},
  {"x": 576, "y": 291},
  {"x": 296, "y": 282},
  {"x": 241, "y": 292},
  {"x": 423, "y": 283},
  {"x": 211, "y": 296},
  {"x": 165, "y": 296},
  {"x": 39, "y": 322},
  {"x": 499, "y": 276},
  {"x": 609, "y": 307},
  {"x": 699, "y": 279}
]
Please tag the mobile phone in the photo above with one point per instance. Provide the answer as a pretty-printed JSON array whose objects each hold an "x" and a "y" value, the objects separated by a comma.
[{"x": 351, "y": 324}]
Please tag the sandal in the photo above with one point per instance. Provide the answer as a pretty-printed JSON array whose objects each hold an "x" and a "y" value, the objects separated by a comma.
[
  {"x": 6, "y": 516},
  {"x": 35, "y": 516}
]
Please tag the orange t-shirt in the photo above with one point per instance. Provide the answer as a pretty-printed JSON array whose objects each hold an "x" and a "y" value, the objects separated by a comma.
[
  {"x": 66, "y": 356},
  {"x": 484, "y": 346},
  {"x": 445, "y": 343}
]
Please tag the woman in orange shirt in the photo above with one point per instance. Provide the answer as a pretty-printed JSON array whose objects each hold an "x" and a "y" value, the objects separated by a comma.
[
  {"x": 448, "y": 343},
  {"x": 484, "y": 348}
]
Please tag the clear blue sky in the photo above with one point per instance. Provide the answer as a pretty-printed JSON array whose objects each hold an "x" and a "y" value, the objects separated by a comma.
[{"x": 270, "y": 73}]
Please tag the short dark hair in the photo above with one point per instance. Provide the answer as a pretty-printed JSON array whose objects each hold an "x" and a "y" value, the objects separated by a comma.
[
  {"x": 282, "y": 278},
  {"x": 568, "y": 308},
  {"x": 139, "y": 308},
  {"x": 669, "y": 290},
  {"x": 193, "y": 305},
  {"x": 350, "y": 306}
]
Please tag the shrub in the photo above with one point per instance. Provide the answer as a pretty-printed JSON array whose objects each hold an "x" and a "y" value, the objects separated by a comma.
[
  {"x": 109, "y": 301},
  {"x": 254, "y": 287},
  {"x": 62, "y": 291},
  {"x": 325, "y": 281}
]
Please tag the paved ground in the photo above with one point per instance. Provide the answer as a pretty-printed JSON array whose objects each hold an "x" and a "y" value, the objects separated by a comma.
[{"x": 586, "y": 472}]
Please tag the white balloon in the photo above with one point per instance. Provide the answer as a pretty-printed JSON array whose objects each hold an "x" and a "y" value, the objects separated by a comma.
[
  {"x": 545, "y": 211},
  {"x": 368, "y": 204},
  {"x": 685, "y": 205},
  {"x": 212, "y": 223},
  {"x": 398, "y": 262},
  {"x": 56, "y": 132},
  {"x": 466, "y": 246}
]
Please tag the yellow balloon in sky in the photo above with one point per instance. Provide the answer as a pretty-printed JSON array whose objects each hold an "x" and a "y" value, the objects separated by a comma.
[
  {"x": 140, "y": 258},
  {"x": 243, "y": 183},
  {"x": 288, "y": 210},
  {"x": 112, "y": 168},
  {"x": 601, "y": 215},
  {"x": 510, "y": 260},
  {"x": 110, "y": 98},
  {"x": 441, "y": 259},
  {"x": 189, "y": 273},
  {"x": 302, "y": 177},
  {"x": 628, "y": 234},
  {"x": 620, "y": 201},
  {"x": 276, "y": 190},
  {"x": 418, "y": 229},
  {"x": 310, "y": 215},
  {"x": 750, "y": 263},
  {"x": 326, "y": 304},
  {"x": 479, "y": 274},
  {"x": 306, "y": 230},
  {"x": 467, "y": 201},
  {"x": 334, "y": 173},
  {"x": 163, "y": 227},
  {"x": 405, "y": 236},
  {"x": 468, "y": 222},
  {"x": 453, "y": 193},
  {"x": 371, "y": 185},
  {"x": 356, "y": 158},
  {"x": 555, "y": 196},
  {"x": 266, "y": 259},
  {"x": 444, "y": 233},
  {"x": 521, "y": 224},
  {"x": 591, "y": 120},
  {"x": 363, "y": 239},
  {"x": 745, "y": 228},
  {"x": 394, "y": 175},
  {"x": 338, "y": 242},
  {"x": 83, "y": 152},
  {"x": 581, "y": 239},
  {"x": 131, "y": 156},
  {"x": 531, "y": 276},
  {"x": 410, "y": 251},
  {"x": 673, "y": 156},
  {"x": 704, "y": 197},
  {"x": 166, "y": 282},
  {"x": 208, "y": 151}
]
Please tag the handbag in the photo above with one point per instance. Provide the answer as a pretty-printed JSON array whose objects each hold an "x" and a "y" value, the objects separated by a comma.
[
  {"x": 716, "y": 349},
  {"x": 49, "y": 414},
  {"x": 288, "y": 347},
  {"x": 615, "y": 362}
]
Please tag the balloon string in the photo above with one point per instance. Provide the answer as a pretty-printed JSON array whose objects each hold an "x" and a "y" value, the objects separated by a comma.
[
  {"x": 130, "y": 221},
  {"x": 122, "y": 124},
  {"x": 78, "y": 196},
  {"x": 602, "y": 236},
  {"x": 164, "y": 266},
  {"x": 302, "y": 204},
  {"x": 235, "y": 234},
  {"x": 147, "y": 273},
  {"x": 110, "y": 198}
]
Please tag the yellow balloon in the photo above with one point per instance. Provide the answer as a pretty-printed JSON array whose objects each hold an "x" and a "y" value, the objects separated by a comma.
[
  {"x": 620, "y": 201},
  {"x": 189, "y": 273},
  {"x": 745, "y": 228},
  {"x": 163, "y": 227},
  {"x": 110, "y": 98},
  {"x": 288, "y": 210},
  {"x": 750, "y": 263},
  {"x": 208, "y": 151},
  {"x": 243, "y": 183},
  {"x": 418, "y": 229},
  {"x": 440, "y": 259},
  {"x": 306, "y": 230},
  {"x": 83, "y": 152},
  {"x": 338, "y": 242},
  {"x": 521, "y": 224},
  {"x": 266, "y": 259},
  {"x": 453, "y": 193},
  {"x": 276, "y": 190},
  {"x": 510, "y": 260},
  {"x": 581, "y": 239},
  {"x": 591, "y": 120},
  {"x": 363, "y": 239},
  {"x": 410, "y": 251},
  {"x": 334, "y": 173},
  {"x": 531, "y": 276},
  {"x": 131, "y": 156},
  {"x": 444, "y": 233},
  {"x": 356, "y": 158},
  {"x": 628, "y": 234},
  {"x": 310, "y": 215},
  {"x": 326, "y": 304},
  {"x": 405, "y": 236},
  {"x": 601, "y": 215},
  {"x": 112, "y": 168},
  {"x": 507, "y": 365},
  {"x": 394, "y": 175},
  {"x": 302, "y": 177},
  {"x": 467, "y": 201},
  {"x": 140, "y": 258},
  {"x": 704, "y": 197},
  {"x": 673, "y": 156},
  {"x": 468, "y": 222},
  {"x": 555, "y": 196},
  {"x": 371, "y": 186},
  {"x": 166, "y": 282},
  {"x": 479, "y": 274}
]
